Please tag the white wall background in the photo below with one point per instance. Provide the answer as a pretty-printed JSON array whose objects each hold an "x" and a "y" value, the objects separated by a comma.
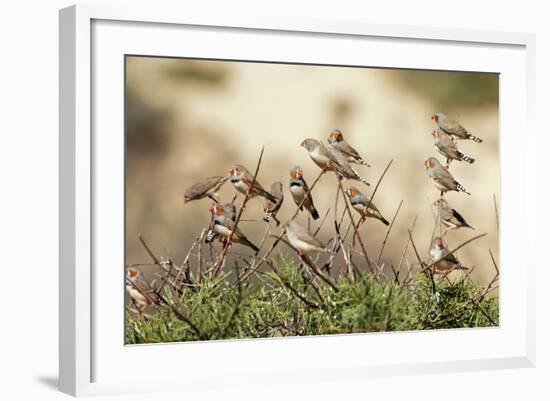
[{"x": 29, "y": 201}]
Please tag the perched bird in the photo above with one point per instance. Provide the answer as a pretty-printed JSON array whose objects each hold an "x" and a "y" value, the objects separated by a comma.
[
  {"x": 443, "y": 264},
  {"x": 336, "y": 139},
  {"x": 205, "y": 188},
  {"x": 299, "y": 189},
  {"x": 440, "y": 176},
  {"x": 140, "y": 292},
  {"x": 223, "y": 226},
  {"x": 271, "y": 208},
  {"x": 452, "y": 127},
  {"x": 330, "y": 158},
  {"x": 302, "y": 240},
  {"x": 449, "y": 216},
  {"x": 242, "y": 180},
  {"x": 361, "y": 204},
  {"x": 229, "y": 211},
  {"x": 447, "y": 147}
]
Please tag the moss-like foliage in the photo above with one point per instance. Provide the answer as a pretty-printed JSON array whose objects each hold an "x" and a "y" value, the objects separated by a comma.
[{"x": 274, "y": 305}]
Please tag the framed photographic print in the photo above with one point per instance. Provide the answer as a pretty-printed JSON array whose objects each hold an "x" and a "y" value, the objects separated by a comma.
[{"x": 289, "y": 200}]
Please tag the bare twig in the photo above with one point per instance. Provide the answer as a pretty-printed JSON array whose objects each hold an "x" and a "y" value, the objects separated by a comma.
[
  {"x": 496, "y": 211},
  {"x": 353, "y": 224},
  {"x": 388, "y": 232}
]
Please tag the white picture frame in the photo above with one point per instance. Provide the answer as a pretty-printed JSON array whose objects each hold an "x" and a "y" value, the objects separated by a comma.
[{"x": 90, "y": 365}]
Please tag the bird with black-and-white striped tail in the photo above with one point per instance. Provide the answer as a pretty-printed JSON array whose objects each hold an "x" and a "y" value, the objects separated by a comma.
[
  {"x": 440, "y": 176},
  {"x": 447, "y": 147},
  {"x": 454, "y": 128}
]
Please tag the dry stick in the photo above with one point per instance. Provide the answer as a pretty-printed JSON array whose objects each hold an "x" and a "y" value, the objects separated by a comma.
[
  {"x": 353, "y": 224},
  {"x": 180, "y": 314},
  {"x": 237, "y": 303},
  {"x": 496, "y": 211},
  {"x": 494, "y": 263},
  {"x": 148, "y": 250},
  {"x": 341, "y": 246},
  {"x": 185, "y": 262},
  {"x": 422, "y": 263},
  {"x": 278, "y": 238},
  {"x": 322, "y": 222},
  {"x": 221, "y": 259},
  {"x": 313, "y": 267},
  {"x": 374, "y": 191},
  {"x": 406, "y": 246},
  {"x": 388, "y": 232},
  {"x": 306, "y": 301}
]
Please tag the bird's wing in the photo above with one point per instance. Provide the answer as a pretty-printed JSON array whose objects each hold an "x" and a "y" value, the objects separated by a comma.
[
  {"x": 340, "y": 161},
  {"x": 347, "y": 149},
  {"x": 454, "y": 127},
  {"x": 459, "y": 217}
]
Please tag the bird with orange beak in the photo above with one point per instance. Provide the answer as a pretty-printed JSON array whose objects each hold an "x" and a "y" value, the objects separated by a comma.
[
  {"x": 229, "y": 211},
  {"x": 223, "y": 226},
  {"x": 336, "y": 139},
  {"x": 453, "y": 128},
  {"x": 447, "y": 147},
  {"x": 440, "y": 176},
  {"x": 331, "y": 159},
  {"x": 243, "y": 181},
  {"x": 443, "y": 263},
  {"x": 362, "y": 205},
  {"x": 141, "y": 293},
  {"x": 300, "y": 192},
  {"x": 205, "y": 188}
]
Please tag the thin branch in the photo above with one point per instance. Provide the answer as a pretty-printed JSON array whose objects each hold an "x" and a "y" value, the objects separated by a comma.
[{"x": 388, "y": 232}]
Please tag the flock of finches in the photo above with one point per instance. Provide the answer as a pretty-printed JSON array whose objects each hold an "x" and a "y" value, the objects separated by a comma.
[
  {"x": 337, "y": 156},
  {"x": 444, "y": 140}
]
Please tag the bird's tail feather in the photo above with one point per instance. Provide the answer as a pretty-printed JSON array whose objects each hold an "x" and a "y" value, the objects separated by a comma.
[
  {"x": 461, "y": 188},
  {"x": 314, "y": 213},
  {"x": 466, "y": 158},
  {"x": 474, "y": 138},
  {"x": 364, "y": 181}
]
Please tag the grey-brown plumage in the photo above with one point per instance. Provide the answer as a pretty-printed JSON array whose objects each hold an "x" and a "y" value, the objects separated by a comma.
[
  {"x": 330, "y": 158},
  {"x": 454, "y": 128},
  {"x": 440, "y": 176},
  {"x": 140, "y": 292},
  {"x": 336, "y": 139},
  {"x": 229, "y": 211},
  {"x": 271, "y": 208},
  {"x": 361, "y": 204},
  {"x": 443, "y": 264},
  {"x": 205, "y": 188},
  {"x": 242, "y": 180},
  {"x": 449, "y": 216},
  {"x": 447, "y": 147},
  {"x": 298, "y": 189},
  {"x": 223, "y": 226},
  {"x": 302, "y": 240}
]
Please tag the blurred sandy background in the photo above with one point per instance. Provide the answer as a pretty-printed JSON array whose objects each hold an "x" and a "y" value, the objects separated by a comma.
[{"x": 189, "y": 119}]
